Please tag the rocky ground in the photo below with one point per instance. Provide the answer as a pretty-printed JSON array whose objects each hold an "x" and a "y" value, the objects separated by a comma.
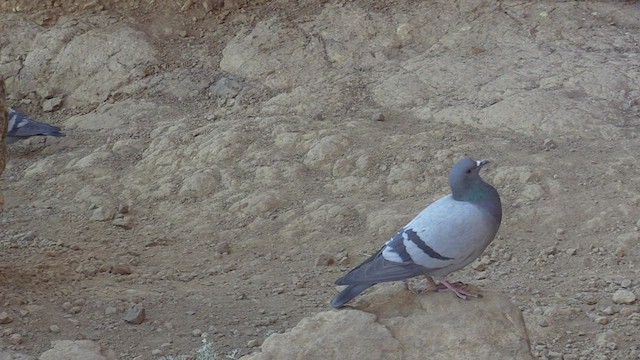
[{"x": 222, "y": 166}]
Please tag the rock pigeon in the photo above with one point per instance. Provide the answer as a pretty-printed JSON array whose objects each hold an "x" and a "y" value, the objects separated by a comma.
[
  {"x": 446, "y": 236},
  {"x": 22, "y": 126}
]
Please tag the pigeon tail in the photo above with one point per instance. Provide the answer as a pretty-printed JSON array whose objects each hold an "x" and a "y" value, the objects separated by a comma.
[{"x": 348, "y": 294}]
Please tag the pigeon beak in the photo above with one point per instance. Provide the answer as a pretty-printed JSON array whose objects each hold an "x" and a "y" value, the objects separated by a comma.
[{"x": 481, "y": 163}]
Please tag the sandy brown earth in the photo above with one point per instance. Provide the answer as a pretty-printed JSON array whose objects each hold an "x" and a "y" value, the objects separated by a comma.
[{"x": 222, "y": 167}]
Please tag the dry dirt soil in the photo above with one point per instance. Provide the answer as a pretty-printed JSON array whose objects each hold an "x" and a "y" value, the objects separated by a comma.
[{"x": 221, "y": 165}]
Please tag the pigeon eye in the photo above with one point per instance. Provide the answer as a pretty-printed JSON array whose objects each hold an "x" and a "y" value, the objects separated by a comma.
[{"x": 468, "y": 171}]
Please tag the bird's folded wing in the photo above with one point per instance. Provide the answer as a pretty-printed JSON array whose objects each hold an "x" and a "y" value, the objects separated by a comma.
[{"x": 377, "y": 269}]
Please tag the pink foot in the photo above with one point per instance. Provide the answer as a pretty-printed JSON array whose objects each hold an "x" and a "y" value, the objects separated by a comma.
[{"x": 458, "y": 289}]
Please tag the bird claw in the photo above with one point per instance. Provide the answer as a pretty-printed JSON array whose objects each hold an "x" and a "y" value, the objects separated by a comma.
[{"x": 459, "y": 289}]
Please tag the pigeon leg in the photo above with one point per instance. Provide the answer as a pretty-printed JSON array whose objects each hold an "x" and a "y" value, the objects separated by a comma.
[
  {"x": 431, "y": 285},
  {"x": 459, "y": 290}
]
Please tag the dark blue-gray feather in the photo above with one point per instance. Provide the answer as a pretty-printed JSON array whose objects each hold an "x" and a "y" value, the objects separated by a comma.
[
  {"x": 377, "y": 269},
  {"x": 348, "y": 294}
]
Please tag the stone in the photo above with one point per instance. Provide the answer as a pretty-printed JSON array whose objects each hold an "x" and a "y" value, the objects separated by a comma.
[
  {"x": 156, "y": 352},
  {"x": 624, "y": 296},
  {"x": 102, "y": 214},
  {"x": 109, "y": 54},
  {"x": 377, "y": 117},
  {"x": 121, "y": 269},
  {"x": 325, "y": 260},
  {"x": 225, "y": 88},
  {"x": 610, "y": 310},
  {"x": 607, "y": 337},
  {"x": 405, "y": 33},
  {"x": 16, "y": 339},
  {"x": 135, "y": 315},
  {"x": 52, "y": 104},
  {"x": 186, "y": 5},
  {"x": 223, "y": 248},
  {"x": 383, "y": 325},
  {"x": 629, "y": 310},
  {"x": 54, "y": 329},
  {"x": 77, "y": 350},
  {"x": 207, "y": 6},
  {"x": 5, "y": 318},
  {"x": 125, "y": 222},
  {"x": 549, "y": 144}
]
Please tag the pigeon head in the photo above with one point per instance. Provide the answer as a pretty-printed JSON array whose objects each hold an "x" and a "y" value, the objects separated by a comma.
[{"x": 466, "y": 183}]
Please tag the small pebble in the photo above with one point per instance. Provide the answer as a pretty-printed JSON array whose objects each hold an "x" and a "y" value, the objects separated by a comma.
[
  {"x": 75, "y": 309},
  {"x": 125, "y": 222},
  {"x": 196, "y": 332},
  {"x": 571, "y": 251},
  {"x": 123, "y": 209},
  {"x": 325, "y": 260},
  {"x": 549, "y": 250},
  {"x": 549, "y": 144},
  {"x": 377, "y": 117},
  {"x": 543, "y": 323},
  {"x": 5, "y": 318},
  {"x": 223, "y": 248},
  {"x": 628, "y": 310},
  {"x": 135, "y": 315},
  {"x": 156, "y": 352},
  {"x": 609, "y": 310},
  {"x": 602, "y": 320},
  {"x": 54, "y": 329},
  {"x": 16, "y": 339},
  {"x": 625, "y": 283},
  {"x": 121, "y": 269}
]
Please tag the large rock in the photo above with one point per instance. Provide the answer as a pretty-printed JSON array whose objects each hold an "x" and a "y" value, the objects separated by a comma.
[
  {"x": 394, "y": 323},
  {"x": 77, "y": 350},
  {"x": 436, "y": 69},
  {"x": 86, "y": 60}
]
